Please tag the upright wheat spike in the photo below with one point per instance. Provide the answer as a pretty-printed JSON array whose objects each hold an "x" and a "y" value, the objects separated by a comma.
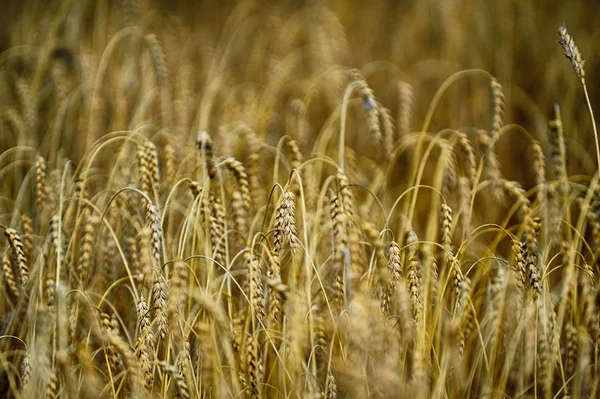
[
  {"x": 153, "y": 165},
  {"x": 405, "y": 105},
  {"x": 340, "y": 247},
  {"x": 276, "y": 290},
  {"x": 497, "y": 109},
  {"x": 558, "y": 150},
  {"x": 469, "y": 161},
  {"x": 395, "y": 275},
  {"x": 285, "y": 224},
  {"x": 255, "y": 287},
  {"x": 577, "y": 61},
  {"x": 145, "y": 341},
  {"x": 40, "y": 182},
  {"x": 87, "y": 243},
  {"x": 159, "y": 302},
  {"x": 145, "y": 174}
]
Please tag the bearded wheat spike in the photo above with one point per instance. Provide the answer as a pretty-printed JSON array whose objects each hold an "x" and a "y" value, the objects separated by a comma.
[
  {"x": 18, "y": 254},
  {"x": 577, "y": 61},
  {"x": 285, "y": 224},
  {"x": 571, "y": 51}
]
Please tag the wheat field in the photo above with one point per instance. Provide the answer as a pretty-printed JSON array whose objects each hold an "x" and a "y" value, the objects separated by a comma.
[{"x": 299, "y": 199}]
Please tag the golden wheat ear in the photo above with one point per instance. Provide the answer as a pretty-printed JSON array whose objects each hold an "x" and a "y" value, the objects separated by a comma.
[{"x": 577, "y": 61}]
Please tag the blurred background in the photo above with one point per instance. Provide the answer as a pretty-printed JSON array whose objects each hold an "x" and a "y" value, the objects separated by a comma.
[{"x": 419, "y": 42}]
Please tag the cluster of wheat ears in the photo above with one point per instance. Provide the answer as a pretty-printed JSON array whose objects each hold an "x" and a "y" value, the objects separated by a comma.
[{"x": 175, "y": 229}]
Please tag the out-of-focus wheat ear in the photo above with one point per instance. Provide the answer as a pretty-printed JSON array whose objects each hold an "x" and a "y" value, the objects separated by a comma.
[
  {"x": 57, "y": 236},
  {"x": 18, "y": 254},
  {"x": 239, "y": 213},
  {"x": 431, "y": 267},
  {"x": 180, "y": 382},
  {"x": 370, "y": 106},
  {"x": 539, "y": 167},
  {"x": 496, "y": 308},
  {"x": 469, "y": 160},
  {"x": 331, "y": 385},
  {"x": 457, "y": 280},
  {"x": 449, "y": 177},
  {"x": 41, "y": 188},
  {"x": 28, "y": 106},
  {"x": 114, "y": 360},
  {"x": 157, "y": 53},
  {"x": 558, "y": 151},
  {"x": 50, "y": 293},
  {"x": 27, "y": 236},
  {"x": 544, "y": 348},
  {"x": 213, "y": 213},
  {"x": 350, "y": 159},
  {"x": 276, "y": 291},
  {"x": 153, "y": 164},
  {"x": 257, "y": 190},
  {"x": 204, "y": 145},
  {"x": 405, "y": 107},
  {"x": 60, "y": 77},
  {"x": 177, "y": 292},
  {"x": 170, "y": 162},
  {"x": 144, "y": 164},
  {"x": 296, "y": 157},
  {"x": 491, "y": 166},
  {"x": 285, "y": 224},
  {"x": 590, "y": 313},
  {"x": 132, "y": 364},
  {"x": 9, "y": 276},
  {"x": 387, "y": 130},
  {"x": 465, "y": 314},
  {"x": 25, "y": 373},
  {"x": 406, "y": 323},
  {"x": 53, "y": 384},
  {"x": 256, "y": 291},
  {"x": 354, "y": 260},
  {"x": 340, "y": 245},
  {"x": 145, "y": 342},
  {"x": 571, "y": 349},
  {"x": 464, "y": 206},
  {"x": 543, "y": 345},
  {"x": 184, "y": 363},
  {"x": 372, "y": 234},
  {"x": 145, "y": 256},
  {"x": 87, "y": 245},
  {"x": 298, "y": 124},
  {"x": 15, "y": 122},
  {"x": 241, "y": 178},
  {"x": 498, "y": 103},
  {"x": 159, "y": 303},
  {"x": 195, "y": 188},
  {"x": 253, "y": 368}
]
